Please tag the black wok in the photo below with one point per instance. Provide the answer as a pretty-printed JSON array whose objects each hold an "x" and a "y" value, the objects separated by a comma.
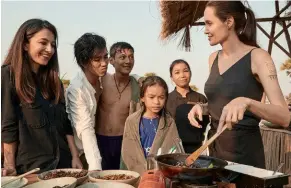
[{"x": 167, "y": 164}]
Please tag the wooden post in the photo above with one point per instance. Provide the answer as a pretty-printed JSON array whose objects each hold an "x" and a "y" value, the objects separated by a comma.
[
  {"x": 276, "y": 43},
  {"x": 287, "y": 35},
  {"x": 282, "y": 31}
]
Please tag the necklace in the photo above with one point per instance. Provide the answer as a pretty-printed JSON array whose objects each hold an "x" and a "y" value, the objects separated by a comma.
[{"x": 120, "y": 92}]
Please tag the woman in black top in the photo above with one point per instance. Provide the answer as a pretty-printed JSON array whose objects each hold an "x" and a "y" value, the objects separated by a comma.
[
  {"x": 180, "y": 102},
  {"x": 239, "y": 74},
  {"x": 35, "y": 129}
]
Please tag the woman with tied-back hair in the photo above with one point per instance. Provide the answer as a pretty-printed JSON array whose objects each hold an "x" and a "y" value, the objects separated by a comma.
[
  {"x": 239, "y": 74},
  {"x": 35, "y": 129}
]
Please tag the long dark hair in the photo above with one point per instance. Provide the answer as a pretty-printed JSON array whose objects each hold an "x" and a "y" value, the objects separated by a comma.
[
  {"x": 244, "y": 18},
  {"x": 18, "y": 58}
]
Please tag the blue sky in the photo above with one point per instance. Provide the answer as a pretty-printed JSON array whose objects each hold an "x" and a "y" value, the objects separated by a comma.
[{"x": 136, "y": 22}]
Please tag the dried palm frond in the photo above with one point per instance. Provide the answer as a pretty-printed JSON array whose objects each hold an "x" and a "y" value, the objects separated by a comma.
[{"x": 178, "y": 15}]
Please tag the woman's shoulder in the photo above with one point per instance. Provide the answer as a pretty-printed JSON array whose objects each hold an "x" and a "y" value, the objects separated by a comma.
[
  {"x": 6, "y": 74},
  {"x": 259, "y": 53},
  {"x": 212, "y": 57},
  {"x": 260, "y": 58},
  {"x": 213, "y": 54}
]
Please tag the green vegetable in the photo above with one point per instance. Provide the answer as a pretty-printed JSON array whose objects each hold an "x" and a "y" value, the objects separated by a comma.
[{"x": 210, "y": 166}]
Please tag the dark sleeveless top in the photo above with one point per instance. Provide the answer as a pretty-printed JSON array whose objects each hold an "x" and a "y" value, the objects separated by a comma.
[
  {"x": 242, "y": 144},
  {"x": 237, "y": 81}
]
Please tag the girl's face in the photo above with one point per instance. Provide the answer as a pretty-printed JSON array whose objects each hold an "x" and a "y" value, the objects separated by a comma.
[
  {"x": 181, "y": 75},
  {"x": 154, "y": 98},
  {"x": 40, "y": 48}
]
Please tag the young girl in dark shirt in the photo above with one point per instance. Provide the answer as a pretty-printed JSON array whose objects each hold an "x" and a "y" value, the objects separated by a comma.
[{"x": 180, "y": 102}]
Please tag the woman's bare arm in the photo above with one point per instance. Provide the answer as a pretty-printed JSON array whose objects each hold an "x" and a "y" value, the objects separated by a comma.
[
  {"x": 277, "y": 111},
  {"x": 9, "y": 155}
]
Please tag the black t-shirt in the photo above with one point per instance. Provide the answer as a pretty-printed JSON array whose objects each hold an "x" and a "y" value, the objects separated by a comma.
[
  {"x": 175, "y": 99},
  {"x": 177, "y": 106},
  {"x": 39, "y": 128}
]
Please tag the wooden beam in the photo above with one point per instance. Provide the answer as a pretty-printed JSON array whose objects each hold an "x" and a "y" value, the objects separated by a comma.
[
  {"x": 276, "y": 8},
  {"x": 278, "y": 45},
  {"x": 263, "y": 30},
  {"x": 283, "y": 9},
  {"x": 282, "y": 31},
  {"x": 288, "y": 18},
  {"x": 271, "y": 38},
  {"x": 287, "y": 35}
]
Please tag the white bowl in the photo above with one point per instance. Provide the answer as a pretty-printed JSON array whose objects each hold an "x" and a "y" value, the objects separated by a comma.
[
  {"x": 69, "y": 181},
  {"x": 79, "y": 180},
  {"x": 106, "y": 185},
  {"x": 16, "y": 184},
  {"x": 93, "y": 176}
]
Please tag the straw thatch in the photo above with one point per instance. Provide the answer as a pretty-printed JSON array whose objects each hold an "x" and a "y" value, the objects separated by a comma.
[{"x": 178, "y": 15}]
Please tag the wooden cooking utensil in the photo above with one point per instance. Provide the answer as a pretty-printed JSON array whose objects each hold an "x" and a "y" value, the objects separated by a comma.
[
  {"x": 20, "y": 176},
  {"x": 192, "y": 158}
]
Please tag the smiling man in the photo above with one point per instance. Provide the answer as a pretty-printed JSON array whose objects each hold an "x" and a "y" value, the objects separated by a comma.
[
  {"x": 83, "y": 94},
  {"x": 119, "y": 98}
]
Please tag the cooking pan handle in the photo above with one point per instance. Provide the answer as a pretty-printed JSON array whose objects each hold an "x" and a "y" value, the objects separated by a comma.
[{"x": 151, "y": 162}]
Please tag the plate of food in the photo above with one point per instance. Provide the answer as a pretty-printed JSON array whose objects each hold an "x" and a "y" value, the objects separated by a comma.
[
  {"x": 106, "y": 185},
  {"x": 79, "y": 174},
  {"x": 64, "y": 182},
  {"x": 16, "y": 184},
  {"x": 121, "y": 176}
]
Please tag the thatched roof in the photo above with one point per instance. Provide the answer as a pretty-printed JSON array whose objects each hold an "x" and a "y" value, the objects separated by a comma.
[{"x": 178, "y": 15}]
